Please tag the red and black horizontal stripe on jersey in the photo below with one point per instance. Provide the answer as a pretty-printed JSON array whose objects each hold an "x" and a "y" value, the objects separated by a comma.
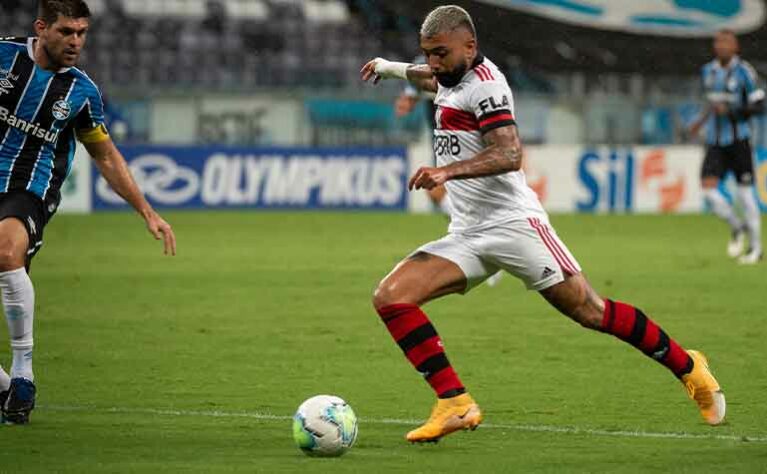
[
  {"x": 457, "y": 120},
  {"x": 496, "y": 119}
]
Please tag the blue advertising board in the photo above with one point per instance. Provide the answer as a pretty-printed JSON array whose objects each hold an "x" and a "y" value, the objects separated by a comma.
[{"x": 263, "y": 178}]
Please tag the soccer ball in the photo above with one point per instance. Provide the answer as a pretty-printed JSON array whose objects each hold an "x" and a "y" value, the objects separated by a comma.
[{"x": 324, "y": 425}]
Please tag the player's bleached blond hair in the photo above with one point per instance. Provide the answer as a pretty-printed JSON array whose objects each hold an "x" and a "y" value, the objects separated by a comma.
[{"x": 445, "y": 19}]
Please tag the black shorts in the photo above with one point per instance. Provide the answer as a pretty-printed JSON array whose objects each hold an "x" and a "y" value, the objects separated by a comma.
[
  {"x": 737, "y": 158},
  {"x": 30, "y": 210}
]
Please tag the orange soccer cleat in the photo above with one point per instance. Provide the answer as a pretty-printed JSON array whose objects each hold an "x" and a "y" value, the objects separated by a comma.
[
  {"x": 448, "y": 415},
  {"x": 704, "y": 389}
]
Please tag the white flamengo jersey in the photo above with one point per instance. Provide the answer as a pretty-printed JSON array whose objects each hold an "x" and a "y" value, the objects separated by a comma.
[{"x": 481, "y": 102}]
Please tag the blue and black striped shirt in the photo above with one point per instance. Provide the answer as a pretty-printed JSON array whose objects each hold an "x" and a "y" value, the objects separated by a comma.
[
  {"x": 737, "y": 86},
  {"x": 40, "y": 113}
]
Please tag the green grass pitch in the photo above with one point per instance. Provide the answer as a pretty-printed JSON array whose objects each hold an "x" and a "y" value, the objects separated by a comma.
[{"x": 195, "y": 364}]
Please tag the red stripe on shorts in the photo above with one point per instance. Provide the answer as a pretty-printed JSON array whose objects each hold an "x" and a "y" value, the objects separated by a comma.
[
  {"x": 554, "y": 250},
  {"x": 555, "y": 241}
]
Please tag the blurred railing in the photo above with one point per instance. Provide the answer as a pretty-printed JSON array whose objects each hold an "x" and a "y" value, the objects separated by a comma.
[{"x": 307, "y": 117}]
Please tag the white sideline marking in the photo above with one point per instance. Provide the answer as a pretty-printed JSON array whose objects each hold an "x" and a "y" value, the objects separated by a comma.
[{"x": 393, "y": 421}]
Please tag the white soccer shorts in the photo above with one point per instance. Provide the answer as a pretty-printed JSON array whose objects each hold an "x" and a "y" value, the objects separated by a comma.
[{"x": 529, "y": 249}]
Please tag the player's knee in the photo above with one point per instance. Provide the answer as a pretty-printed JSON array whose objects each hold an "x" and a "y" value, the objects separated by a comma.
[
  {"x": 10, "y": 257},
  {"x": 381, "y": 297},
  {"x": 386, "y": 294}
]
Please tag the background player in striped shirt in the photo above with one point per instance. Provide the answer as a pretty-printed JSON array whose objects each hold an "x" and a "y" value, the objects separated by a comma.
[
  {"x": 733, "y": 96},
  {"x": 496, "y": 223},
  {"x": 46, "y": 103}
]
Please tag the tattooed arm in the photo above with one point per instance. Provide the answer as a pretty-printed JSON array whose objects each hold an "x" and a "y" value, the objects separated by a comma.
[
  {"x": 419, "y": 75},
  {"x": 503, "y": 154}
]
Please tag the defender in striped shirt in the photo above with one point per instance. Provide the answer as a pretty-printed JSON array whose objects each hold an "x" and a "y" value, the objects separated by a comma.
[
  {"x": 733, "y": 97},
  {"x": 46, "y": 104}
]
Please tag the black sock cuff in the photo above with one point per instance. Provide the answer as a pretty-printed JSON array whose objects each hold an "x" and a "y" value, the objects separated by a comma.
[{"x": 453, "y": 393}]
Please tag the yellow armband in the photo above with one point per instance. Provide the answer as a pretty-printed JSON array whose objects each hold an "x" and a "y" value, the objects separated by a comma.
[{"x": 94, "y": 135}]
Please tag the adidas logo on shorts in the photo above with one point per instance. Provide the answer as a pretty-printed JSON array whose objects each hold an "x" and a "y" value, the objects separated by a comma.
[{"x": 547, "y": 272}]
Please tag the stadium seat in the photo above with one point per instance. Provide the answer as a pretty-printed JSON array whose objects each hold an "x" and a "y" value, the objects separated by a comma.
[
  {"x": 142, "y": 8},
  {"x": 327, "y": 11},
  {"x": 98, "y": 7},
  {"x": 248, "y": 9}
]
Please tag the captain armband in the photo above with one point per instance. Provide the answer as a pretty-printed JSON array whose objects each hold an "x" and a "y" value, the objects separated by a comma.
[{"x": 94, "y": 135}]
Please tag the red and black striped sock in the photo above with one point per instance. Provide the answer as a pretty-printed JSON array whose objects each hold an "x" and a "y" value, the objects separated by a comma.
[
  {"x": 631, "y": 325},
  {"x": 418, "y": 339}
]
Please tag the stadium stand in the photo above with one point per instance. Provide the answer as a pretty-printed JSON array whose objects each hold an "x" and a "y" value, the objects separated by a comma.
[
  {"x": 305, "y": 43},
  {"x": 631, "y": 88},
  {"x": 200, "y": 43}
]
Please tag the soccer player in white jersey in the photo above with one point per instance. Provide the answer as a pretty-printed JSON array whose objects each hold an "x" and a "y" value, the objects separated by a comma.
[
  {"x": 406, "y": 103},
  {"x": 497, "y": 223}
]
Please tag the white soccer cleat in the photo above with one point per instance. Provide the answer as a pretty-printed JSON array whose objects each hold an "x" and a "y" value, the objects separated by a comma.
[
  {"x": 752, "y": 257},
  {"x": 736, "y": 244}
]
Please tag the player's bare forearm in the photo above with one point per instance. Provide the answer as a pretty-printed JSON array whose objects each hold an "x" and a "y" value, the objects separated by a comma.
[
  {"x": 421, "y": 77},
  {"x": 698, "y": 123},
  {"x": 114, "y": 169},
  {"x": 503, "y": 154}
]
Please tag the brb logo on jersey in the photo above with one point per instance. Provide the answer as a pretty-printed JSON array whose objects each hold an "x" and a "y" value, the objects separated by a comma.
[
  {"x": 61, "y": 110},
  {"x": 661, "y": 17}
]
